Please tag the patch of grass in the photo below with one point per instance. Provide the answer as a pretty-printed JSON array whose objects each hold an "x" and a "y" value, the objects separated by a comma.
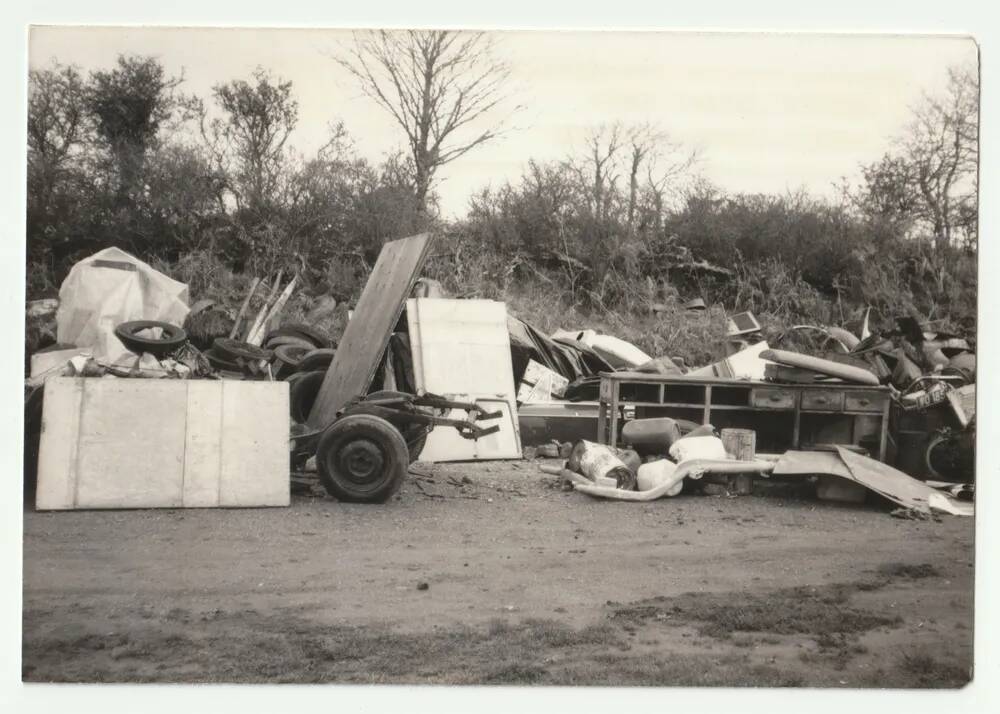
[
  {"x": 910, "y": 571},
  {"x": 817, "y": 612},
  {"x": 514, "y": 674},
  {"x": 931, "y": 672}
]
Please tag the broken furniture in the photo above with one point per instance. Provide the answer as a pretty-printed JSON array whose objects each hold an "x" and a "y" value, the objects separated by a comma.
[
  {"x": 784, "y": 416},
  {"x": 162, "y": 443}
]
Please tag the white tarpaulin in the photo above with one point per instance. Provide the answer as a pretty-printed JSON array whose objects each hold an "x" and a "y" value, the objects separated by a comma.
[{"x": 111, "y": 287}]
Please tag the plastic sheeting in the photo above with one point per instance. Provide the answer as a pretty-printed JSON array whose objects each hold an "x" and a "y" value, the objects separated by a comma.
[
  {"x": 109, "y": 288},
  {"x": 567, "y": 357}
]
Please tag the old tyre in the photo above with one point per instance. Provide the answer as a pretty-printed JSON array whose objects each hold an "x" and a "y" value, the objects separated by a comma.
[
  {"x": 302, "y": 394},
  {"x": 312, "y": 335},
  {"x": 171, "y": 337},
  {"x": 415, "y": 444},
  {"x": 291, "y": 354},
  {"x": 362, "y": 458},
  {"x": 316, "y": 359},
  {"x": 234, "y": 350}
]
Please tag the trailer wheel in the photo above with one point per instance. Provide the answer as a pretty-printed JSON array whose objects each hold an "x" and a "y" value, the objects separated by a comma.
[{"x": 362, "y": 458}]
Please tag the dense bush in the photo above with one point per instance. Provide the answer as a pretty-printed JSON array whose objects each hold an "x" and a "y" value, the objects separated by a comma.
[{"x": 617, "y": 237}]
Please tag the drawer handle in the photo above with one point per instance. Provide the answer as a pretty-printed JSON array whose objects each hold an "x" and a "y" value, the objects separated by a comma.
[
  {"x": 864, "y": 402},
  {"x": 775, "y": 397},
  {"x": 821, "y": 400}
]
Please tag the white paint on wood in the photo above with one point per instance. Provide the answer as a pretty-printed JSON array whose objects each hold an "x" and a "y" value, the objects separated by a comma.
[
  {"x": 446, "y": 444},
  {"x": 56, "y": 487},
  {"x": 139, "y": 443},
  {"x": 203, "y": 444},
  {"x": 131, "y": 444},
  {"x": 461, "y": 349}
]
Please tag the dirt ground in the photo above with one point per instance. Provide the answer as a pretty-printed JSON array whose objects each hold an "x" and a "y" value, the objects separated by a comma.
[{"x": 490, "y": 573}]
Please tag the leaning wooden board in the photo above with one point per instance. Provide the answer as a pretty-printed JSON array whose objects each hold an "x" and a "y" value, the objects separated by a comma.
[
  {"x": 367, "y": 333},
  {"x": 163, "y": 443}
]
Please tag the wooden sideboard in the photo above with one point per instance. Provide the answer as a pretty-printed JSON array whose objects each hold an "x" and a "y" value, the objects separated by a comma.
[{"x": 785, "y": 416}]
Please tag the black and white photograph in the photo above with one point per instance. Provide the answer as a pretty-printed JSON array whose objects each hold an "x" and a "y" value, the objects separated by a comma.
[{"x": 513, "y": 357}]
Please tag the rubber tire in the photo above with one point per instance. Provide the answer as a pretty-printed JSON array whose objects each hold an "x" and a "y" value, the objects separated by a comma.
[
  {"x": 302, "y": 394},
  {"x": 291, "y": 354},
  {"x": 273, "y": 343},
  {"x": 416, "y": 446},
  {"x": 173, "y": 337},
  {"x": 371, "y": 444},
  {"x": 320, "y": 359},
  {"x": 297, "y": 329},
  {"x": 233, "y": 350}
]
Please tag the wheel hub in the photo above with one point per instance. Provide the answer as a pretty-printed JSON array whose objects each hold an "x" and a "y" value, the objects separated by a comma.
[{"x": 361, "y": 461}]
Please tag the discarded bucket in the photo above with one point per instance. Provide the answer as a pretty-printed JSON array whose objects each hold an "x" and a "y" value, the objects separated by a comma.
[{"x": 740, "y": 443}]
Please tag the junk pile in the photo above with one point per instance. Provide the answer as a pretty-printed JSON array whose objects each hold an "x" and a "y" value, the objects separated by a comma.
[
  {"x": 926, "y": 379},
  {"x": 221, "y": 394},
  {"x": 660, "y": 453},
  {"x": 159, "y": 371}
]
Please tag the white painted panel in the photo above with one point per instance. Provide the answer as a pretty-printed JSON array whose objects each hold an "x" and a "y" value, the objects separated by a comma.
[
  {"x": 445, "y": 443},
  {"x": 136, "y": 443},
  {"x": 203, "y": 444},
  {"x": 461, "y": 349},
  {"x": 255, "y": 460},
  {"x": 131, "y": 443},
  {"x": 56, "y": 485}
]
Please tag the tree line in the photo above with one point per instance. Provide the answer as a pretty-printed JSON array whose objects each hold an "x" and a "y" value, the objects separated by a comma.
[{"x": 124, "y": 156}]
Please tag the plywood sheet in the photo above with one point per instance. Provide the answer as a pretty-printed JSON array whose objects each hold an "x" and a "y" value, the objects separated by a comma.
[
  {"x": 367, "y": 333},
  {"x": 144, "y": 443},
  {"x": 461, "y": 349}
]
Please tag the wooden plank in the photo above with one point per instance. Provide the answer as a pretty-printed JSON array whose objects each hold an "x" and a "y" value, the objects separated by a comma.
[{"x": 367, "y": 333}]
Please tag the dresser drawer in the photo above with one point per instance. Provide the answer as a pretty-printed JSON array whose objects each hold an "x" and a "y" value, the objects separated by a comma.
[
  {"x": 765, "y": 398},
  {"x": 822, "y": 400},
  {"x": 864, "y": 401}
]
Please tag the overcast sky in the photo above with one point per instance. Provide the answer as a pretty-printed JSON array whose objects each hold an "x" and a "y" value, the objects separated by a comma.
[{"x": 767, "y": 112}]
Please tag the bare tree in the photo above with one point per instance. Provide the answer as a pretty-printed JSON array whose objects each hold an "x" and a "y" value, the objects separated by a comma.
[
  {"x": 642, "y": 152},
  {"x": 435, "y": 84},
  {"x": 942, "y": 148},
  {"x": 664, "y": 161}
]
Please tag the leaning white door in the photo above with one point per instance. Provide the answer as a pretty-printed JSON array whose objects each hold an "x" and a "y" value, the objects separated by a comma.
[{"x": 461, "y": 350}]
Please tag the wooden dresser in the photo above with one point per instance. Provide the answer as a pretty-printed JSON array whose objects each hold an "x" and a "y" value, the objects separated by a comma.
[{"x": 785, "y": 416}]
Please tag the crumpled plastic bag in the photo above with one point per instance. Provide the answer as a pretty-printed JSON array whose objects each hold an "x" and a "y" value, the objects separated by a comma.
[{"x": 109, "y": 288}]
